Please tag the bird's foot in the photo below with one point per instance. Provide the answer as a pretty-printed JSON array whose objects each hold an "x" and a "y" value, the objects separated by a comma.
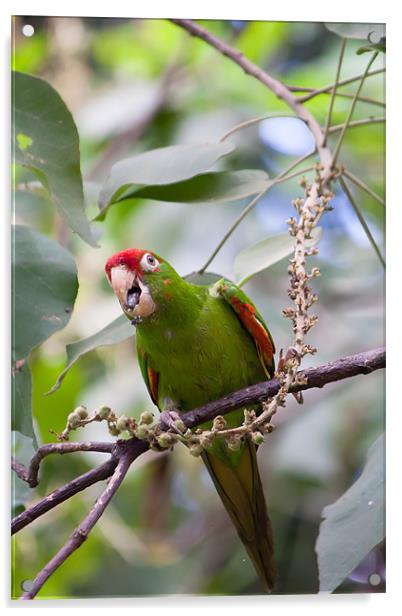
[{"x": 170, "y": 418}]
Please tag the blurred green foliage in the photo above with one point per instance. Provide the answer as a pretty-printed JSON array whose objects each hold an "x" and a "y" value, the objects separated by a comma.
[{"x": 166, "y": 530}]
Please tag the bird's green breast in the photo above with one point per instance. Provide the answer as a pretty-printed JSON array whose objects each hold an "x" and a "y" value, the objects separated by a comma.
[{"x": 200, "y": 352}]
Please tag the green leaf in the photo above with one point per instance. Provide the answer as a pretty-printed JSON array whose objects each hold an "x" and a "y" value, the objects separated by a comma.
[
  {"x": 373, "y": 33},
  {"x": 45, "y": 286},
  {"x": 381, "y": 46},
  {"x": 118, "y": 330},
  {"x": 21, "y": 396},
  {"x": 46, "y": 142},
  {"x": 265, "y": 253},
  {"x": 44, "y": 290},
  {"x": 217, "y": 187},
  {"x": 159, "y": 167},
  {"x": 354, "y": 524},
  {"x": 22, "y": 450}
]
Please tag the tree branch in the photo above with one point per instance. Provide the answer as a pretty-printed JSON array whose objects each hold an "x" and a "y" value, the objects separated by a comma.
[
  {"x": 327, "y": 89},
  {"x": 81, "y": 533},
  {"x": 312, "y": 92},
  {"x": 344, "y": 368},
  {"x": 276, "y": 86},
  {"x": 362, "y": 220},
  {"x": 333, "y": 91},
  {"x": 125, "y": 452},
  {"x": 283, "y": 176},
  {"x": 363, "y": 186},
  {"x": 60, "y": 448},
  {"x": 356, "y": 123},
  {"x": 19, "y": 469},
  {"x": 361, "y": 99},
  {"x": 352, "y": 108},
  {"x": 63, "y": 493}
]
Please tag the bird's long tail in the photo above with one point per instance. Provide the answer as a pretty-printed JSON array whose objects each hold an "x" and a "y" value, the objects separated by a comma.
[{"x": 239, "y": 486}]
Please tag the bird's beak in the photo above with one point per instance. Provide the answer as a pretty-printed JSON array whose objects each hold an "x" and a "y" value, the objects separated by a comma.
[{"x": 134, "y": 296}]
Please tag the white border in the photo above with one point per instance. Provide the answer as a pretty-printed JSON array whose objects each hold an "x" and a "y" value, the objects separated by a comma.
[{"x": 341, "y": 10}]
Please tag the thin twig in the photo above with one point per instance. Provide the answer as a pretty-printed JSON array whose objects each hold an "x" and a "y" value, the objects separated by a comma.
[
  {"x": 276, "y": 86},
  {"x": 234, "y": 225},
  {"x": 327, "y": 89},
  {"x": 363, "y": 186},
  {"x": 247, "y": 123},
  {"x": 331, "y": 129},
  {"x": 62, "y": 448},
  {"x": 351, "y": 110},
  {"x": 81, "y": 533},
  {"x": 282, "y": 177},
  {"x": 19, "y": 469},
  {"x": 360, "y": 99},
  {"x": 63, "y": 493},
  {"x": 360, "y": 216},
  {"x": 356, "y": 123},
  {"x": 333, "y": 91}
]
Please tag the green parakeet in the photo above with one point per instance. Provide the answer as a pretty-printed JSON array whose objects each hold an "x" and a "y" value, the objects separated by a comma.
[{"x": 196, "y": 344}]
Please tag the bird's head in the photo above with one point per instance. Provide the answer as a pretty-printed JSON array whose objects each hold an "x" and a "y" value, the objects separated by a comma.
[{"x": 140, "y": 279}]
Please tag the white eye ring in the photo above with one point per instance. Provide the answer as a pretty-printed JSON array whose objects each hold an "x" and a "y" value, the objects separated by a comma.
[{"x": 149, "y": 263}]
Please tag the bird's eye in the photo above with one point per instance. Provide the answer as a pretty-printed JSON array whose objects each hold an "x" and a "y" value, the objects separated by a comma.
[{"x": 149, "y": 262}]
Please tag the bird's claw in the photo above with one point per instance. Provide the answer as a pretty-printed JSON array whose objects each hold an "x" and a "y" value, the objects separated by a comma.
[{"x": 168, "y": 417}]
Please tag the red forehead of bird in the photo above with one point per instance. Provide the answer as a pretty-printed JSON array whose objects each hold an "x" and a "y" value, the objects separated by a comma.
[{"x": 131, "y": 258}]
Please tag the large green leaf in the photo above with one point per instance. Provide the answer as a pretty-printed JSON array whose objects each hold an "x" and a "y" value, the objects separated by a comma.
[
  {"x": 118, "y": 330},
  {"x": 159, "y": 167},
  {"x": 45, "y": 286},
  {"x": 44, "y": 290},
  {"x": 265, "y": 253},
  {"x": 355, "y": 523},
  {"x": 216, "y": 187},
  {"x": 21, "y": 396},
  {"x": 45, "y": 140},
  {"x": 22, "y": 450}
]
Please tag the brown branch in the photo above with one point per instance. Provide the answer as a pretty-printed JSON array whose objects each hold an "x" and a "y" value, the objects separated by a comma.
[
  {"x": 333, "y": 91},
  {"x": 276, "y": 86},
  {"x": 352, "y": 108},
  {"x": 81, "y": 533},
  {"x": 19, "y": 469},
  {"x": 344, "y": 368},
  {"x": 356, "y": 123},
  {"x": 361, "y": 99},
  {"x": 63, "y": 493},
  {"x": 61, "y": 448},
  {"x": 327, "y": 89}
]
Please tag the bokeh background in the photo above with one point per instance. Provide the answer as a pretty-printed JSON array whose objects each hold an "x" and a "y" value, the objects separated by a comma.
[{"x": 134, "y": 85}]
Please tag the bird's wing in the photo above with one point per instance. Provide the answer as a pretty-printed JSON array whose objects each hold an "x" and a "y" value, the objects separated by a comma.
[
  {"x": 149, "y": 375},
  {"x": 251, "y": 320}
]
